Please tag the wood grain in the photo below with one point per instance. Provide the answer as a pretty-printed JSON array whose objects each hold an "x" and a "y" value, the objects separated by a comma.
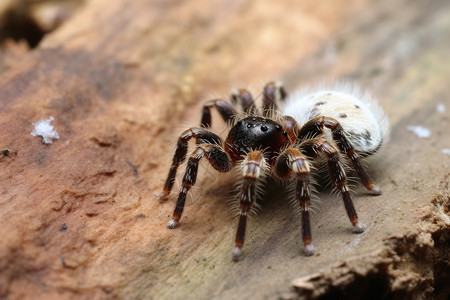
[{"x": 123, "y": 78}]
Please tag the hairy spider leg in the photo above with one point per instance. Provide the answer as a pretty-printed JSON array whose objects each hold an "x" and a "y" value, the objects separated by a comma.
[
  {"x": 245, "y": 99},
  {"x": 218, "y": 159},
  {"x": 273, "y": 92},
  {"x": 315, "y": 127},
  {"x": 253, "y": 164},
  {"x": 225, "y": 109},
  {"x": 290, "y": 163},
  {"x": 202, "y": 136},
  {"x": 336, "y": 173},
  {"x": 291, "y": 127}
]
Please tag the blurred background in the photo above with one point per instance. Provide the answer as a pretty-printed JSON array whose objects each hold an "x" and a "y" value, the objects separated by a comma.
[
  {"x": 27, "y": 21},
  {"x": 23, "y": 24}
]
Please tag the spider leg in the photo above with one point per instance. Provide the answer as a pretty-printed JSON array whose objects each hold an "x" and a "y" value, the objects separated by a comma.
[
  {"x": 202, "y": 136},
  {"x": 291, "y": 127},
  {"x": 225, "y": 109},
  {"x": 219, "y": 160},
  {"x": 273, "y": 92},
  {"x": 337, "y": 175},
  {"x": 245, "y": 99},
  {"x": 293, "y": 161},
  {"x": 314, "y": 128},
  {"x": 252, "y": 166}
]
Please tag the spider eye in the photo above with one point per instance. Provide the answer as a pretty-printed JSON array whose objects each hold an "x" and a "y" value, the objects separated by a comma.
[
  {"x": 278, "y": 127},
  {"x": 240, "y": 122},
  {"x": 284, "y": 133},
  {"x": 264, "y": 128}
]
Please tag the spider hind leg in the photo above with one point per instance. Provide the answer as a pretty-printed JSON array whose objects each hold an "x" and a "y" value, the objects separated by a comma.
[
  {"x": 315, "y": 128},
  {"x": 273, "y": 93},
  {"x": 337, "y": 176},
  {"x": 225, "y": 109},
  {"x": 245, "y": 99}
]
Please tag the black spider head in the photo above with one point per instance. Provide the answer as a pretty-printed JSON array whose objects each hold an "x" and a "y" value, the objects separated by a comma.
[{"x": 256, "y": 133}]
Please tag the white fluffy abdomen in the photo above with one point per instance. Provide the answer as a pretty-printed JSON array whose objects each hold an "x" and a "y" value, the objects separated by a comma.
[{"x": 362, "y": 119}]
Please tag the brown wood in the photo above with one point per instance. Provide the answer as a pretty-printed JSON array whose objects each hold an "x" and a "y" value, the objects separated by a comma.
[{"x": 122, "y": 79}]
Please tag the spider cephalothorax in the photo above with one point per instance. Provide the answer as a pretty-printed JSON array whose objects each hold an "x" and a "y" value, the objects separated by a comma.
[
  {"x": 255, "y": 133},
  {"x": 283, "y": 143}
]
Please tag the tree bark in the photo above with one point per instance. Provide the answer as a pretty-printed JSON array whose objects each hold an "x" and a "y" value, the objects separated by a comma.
[{"x": 122, "y": 79}]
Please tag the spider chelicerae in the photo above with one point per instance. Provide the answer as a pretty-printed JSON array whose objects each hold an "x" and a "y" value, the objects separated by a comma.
[{"x": 283, "y": 138}]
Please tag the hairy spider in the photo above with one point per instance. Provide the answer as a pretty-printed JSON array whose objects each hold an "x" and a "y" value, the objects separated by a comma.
[{"x": 283, "y": 143}]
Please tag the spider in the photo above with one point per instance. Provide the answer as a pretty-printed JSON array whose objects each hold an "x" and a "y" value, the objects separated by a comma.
[{"x": 284, "y": 143}]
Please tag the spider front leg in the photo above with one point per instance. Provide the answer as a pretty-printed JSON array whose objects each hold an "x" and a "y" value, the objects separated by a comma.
[
  {"x": 337, "y": 175},
  {"x": 253, "y": 165},
  {"x": 201, "y": 135},
  {"x": 315, "y": 127},
  {"x": 293, "y": 163},
  {"x": 218, "y": 159},
  {"x": 225, "y": 109}
]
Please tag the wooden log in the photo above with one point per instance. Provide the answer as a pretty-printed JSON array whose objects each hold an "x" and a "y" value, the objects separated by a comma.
[{"x": 79, "y": 217}]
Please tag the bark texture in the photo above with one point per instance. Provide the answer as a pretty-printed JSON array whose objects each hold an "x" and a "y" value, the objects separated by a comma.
[{"x": 122, "y": 79}]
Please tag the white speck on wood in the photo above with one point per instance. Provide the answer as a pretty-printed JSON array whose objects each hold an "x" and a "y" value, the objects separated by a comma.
[
  {"x": 44, "y": 129},
  {"x": 420, "y": 131},
  {"x": 440, "y": 108}
]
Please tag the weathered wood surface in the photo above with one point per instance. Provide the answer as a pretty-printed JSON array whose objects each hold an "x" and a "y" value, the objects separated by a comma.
[{"x": 123, "y": 78}]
